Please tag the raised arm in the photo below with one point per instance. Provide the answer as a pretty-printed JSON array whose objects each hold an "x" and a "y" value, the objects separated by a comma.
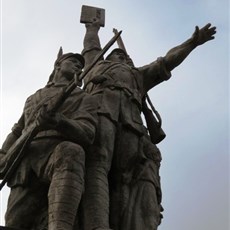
[
  {"x": 160, "y": 70},
  {"x": 177, "y": 55},
  {"x": 91, "y": 42}
]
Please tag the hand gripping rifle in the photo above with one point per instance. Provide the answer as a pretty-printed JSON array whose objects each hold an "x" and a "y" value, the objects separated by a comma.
[
  {"x": 152, "y": 117},
  {"x": 11, "y": 160}
]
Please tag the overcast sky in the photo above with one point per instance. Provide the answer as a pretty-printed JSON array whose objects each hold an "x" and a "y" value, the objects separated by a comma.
[{"x": 194, "y": 103}]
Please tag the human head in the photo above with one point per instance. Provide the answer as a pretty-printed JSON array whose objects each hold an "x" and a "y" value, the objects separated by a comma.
[
  {"x": 117, "y": 55},
  {"x": 62, "y": 58},
  {"x": 69, "y": 55}
]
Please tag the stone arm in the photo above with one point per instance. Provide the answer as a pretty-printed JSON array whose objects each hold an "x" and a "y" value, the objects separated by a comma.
[
  {"x": 177, "y": 55},
  {"x": 91, "y": 42},
  {"x": 159, "y": 70},
  {"x": 13, "y": 136},
  {"x": 80, "y": 129}
]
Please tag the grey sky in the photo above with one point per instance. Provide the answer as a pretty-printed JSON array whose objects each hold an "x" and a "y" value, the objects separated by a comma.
[{"x": 194, "y": 103}]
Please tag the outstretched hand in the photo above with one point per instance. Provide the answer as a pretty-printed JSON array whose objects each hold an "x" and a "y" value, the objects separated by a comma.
[{"x": 200, "y": 36}]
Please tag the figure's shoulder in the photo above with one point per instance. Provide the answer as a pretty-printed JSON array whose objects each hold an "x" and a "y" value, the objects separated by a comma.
[{"x": 39, "y": 91}]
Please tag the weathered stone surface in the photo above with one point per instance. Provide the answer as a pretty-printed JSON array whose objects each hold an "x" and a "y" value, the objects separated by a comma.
[{"x": 90, "y": 163}]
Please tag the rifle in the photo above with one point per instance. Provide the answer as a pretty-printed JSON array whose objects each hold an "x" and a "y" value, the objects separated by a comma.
[
  {"x": 153, "y": 122},
  {"x": 16, "y": 152}
]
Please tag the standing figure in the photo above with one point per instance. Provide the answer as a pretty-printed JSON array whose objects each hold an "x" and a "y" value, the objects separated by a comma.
[
  {"x": 121, "y": 88},
  {"x": 51, "y": 174}
]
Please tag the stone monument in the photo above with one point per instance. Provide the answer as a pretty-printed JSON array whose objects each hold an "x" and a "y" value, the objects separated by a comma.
[{"x": 81, "y": 158}]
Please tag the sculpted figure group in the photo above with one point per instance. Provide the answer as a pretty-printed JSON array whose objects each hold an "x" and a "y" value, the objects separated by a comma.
[{"x": 92, "y": 164}]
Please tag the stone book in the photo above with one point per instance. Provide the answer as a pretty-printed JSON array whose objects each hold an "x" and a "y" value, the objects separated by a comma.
[{"x": 88, "y": 13}]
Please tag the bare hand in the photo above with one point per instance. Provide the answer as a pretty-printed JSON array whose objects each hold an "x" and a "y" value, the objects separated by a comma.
[{"x": 200, "y": 36}]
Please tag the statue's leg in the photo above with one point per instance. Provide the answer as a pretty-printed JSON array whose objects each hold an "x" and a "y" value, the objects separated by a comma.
[
  {"x": 125, "y": 156},
  {"x": 98, "y": 163},
  {"x": 143, "y": 209},
  {"x": 65, "y": 170},
  {"x": 24, "y": 204}
]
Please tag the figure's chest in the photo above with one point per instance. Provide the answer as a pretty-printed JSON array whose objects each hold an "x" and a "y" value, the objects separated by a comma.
[
  {"x": 124, "y": 74},
  {"x": 37, "y": 100},
  {"x": 121, "y": 74}
]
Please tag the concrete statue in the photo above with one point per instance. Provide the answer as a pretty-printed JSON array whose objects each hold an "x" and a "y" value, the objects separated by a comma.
[
  {"x": 121, "y": 148},
  {"x": 89, "y": 162},
  {"x": 51, "y": 174}
]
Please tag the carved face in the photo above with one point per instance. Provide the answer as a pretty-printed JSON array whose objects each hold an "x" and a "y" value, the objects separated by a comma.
[
  {"x": 118, "y": 56},
  {"x": 69, "y": 67}
]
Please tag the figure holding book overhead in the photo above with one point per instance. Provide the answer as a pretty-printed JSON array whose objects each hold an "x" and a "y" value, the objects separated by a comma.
[{"x": 122, "y": 88}]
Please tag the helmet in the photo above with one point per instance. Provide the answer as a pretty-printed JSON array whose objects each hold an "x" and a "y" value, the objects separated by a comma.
[
  {"x": 68, "y": 55},
  {"x": 116, "y": 50},
  {"x": 61, "y": 57}
]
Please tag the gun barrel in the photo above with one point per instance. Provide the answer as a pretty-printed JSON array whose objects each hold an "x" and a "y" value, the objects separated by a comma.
[{"x": 120, "y": 41}]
